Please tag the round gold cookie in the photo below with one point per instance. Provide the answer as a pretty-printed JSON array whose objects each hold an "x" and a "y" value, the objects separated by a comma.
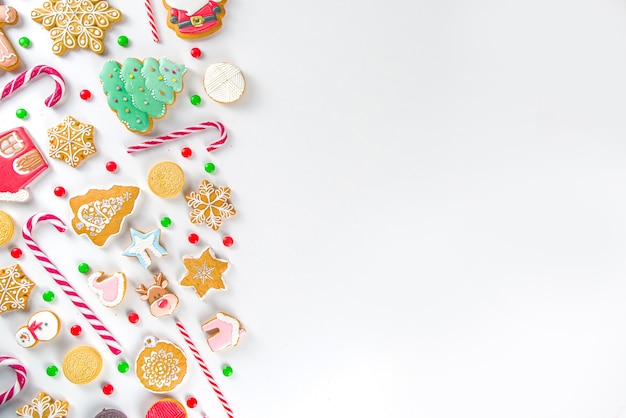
[
  {"x": 166, "y": 179},
  {"x": 6, "y": 227},
  {"x": 82, "y": 365}
]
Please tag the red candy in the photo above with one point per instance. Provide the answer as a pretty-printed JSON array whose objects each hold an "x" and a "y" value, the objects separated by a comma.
[
  {"x": 59, "y": 191},
  {"x": 193, "y": 238},
  {"x": 16, "y": 252},
  {"x": 111, "y": 166},
  {"x": 133, "y": 318},
  {"x": 76, "y": 330},
  {"x": 192, "y": 402},
  {"x": 186, "y": 152},
  {"x": 195, "y": 52},
  {"x": 85, "y": 94},
  {"x": 228, "y": 241},
  {"x": 108, "y": 389}
]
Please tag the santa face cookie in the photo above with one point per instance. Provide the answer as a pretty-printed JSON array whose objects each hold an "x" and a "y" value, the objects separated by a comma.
[
  {"x": 192, "y": 19},
  {"x": 42, "y": 326}
]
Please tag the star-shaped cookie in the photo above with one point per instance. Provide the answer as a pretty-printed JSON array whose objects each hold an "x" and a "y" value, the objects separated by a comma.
[
  {"x": 204, "y": 273},
  {"x": 142, "y": 243},
  {"x": 71, "y": 141}
]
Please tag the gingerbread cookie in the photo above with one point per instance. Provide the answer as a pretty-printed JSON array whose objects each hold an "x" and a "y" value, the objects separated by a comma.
[
  {"x": 138, "y": 92},
  {"x": 8, "y": 57},
  {"x": 82, "y": 365},
  {"x": 142, "y": 244},
  {"x": 210, "y": 205},
  {"x": 204, "y": 273},
  {"x": 76, "y": 23},
  {"x": 192, "y": 19},
  {"x": 224, "y": 331},
  {"x": 162, "y": 301},
  {"x": 6, "y": 227},
  {"x": 224, "y": 83},
  {"x": 99, "y": 214},
  {"x": 20, "y": 164},
  {"x": 15, "y": 289},
  {"x": 43, "y": 406},
  {"x": 71, "y": 141},
  {"x": 166, "y": 408},
  {"x": 166, "y": 179},
  {"x": 160, "y": 366},
  {"x": 110, "y": 289},
  {"x": 111, "y": 413},
  {"x": 42, "y": 326}
]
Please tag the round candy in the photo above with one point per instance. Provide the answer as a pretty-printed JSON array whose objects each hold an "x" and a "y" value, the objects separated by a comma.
[
  {"x": 52, "y": 370},
  {"x": 83, "y": 267},
  {"x": 21, "y": 113},
  {"x": 193, "y": 238},
  {"x": 209, "y": 167},
  {"x": 82, "y": 365},
  {"x": 195, "y": 52},
  {"x": 76, "y": 330},
  {"x": 108, "y": 389},
  {"x": 59, "y": 191},
  {"x": 186, "y": 152},
  {"x": 166, "y": 179},
  {"x": 24, "y": 42},
  {"x": 228, "y": 241},
  {"x": 122, "y": 40},
  {"x": 16, "y": 252},
  {"x": 85, "y": 94},
  {"x": 111, "y": 413},
  {"x": 192, "y": 402},
  {"x": 111, "y": 166},
  {"x": 224, "y": 82},
  {"x": 133, "y": 318},
  {"x": 123, "y": 367},
  {"x": 6, "y": 227},
  {"x": 195, "y": 100},
  {"x": 227, "y": 370},
  {"x": 169, "y": 408},
  {"x": 166, "y": 222},
  {"x": 48, "y": 296}
]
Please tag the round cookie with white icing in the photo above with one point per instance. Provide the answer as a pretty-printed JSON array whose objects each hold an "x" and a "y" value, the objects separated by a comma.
[{"x": 224, "y": 82}]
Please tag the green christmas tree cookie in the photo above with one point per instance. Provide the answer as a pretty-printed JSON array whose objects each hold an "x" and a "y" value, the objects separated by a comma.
[{"x": 139, "y": 92}]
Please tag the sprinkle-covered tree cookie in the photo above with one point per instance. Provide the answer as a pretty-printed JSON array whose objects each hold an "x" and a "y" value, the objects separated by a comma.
[{"x": 135, "y": 84}]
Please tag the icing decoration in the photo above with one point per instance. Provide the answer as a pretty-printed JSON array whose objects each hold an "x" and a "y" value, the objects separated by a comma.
[
  {"x": 209, "y": 205},
  {"x": 179, "y": 134},
  {"x": 99, "y": 214},
  {"x": 20, "y": 164},
  {"x": 71, "y": 141},
  {"x": 204, "y": 273},
  {"x": 162, "y": 301},
  {"x": 139, "y": 91},
  {"x": 224, "y": 331},
  {"x": 43, "y": 406},
  {"x": 7, "y": 227},
  {"x": 166, "y": 179},
  {"x": 142, "y": 243},
  {"x": 111, "y": 413},
  {"x": 160, "y": 366},
  {"x": 76, "y": 23},
  {"x": 15, "y": 289},
  {"x": 82, "y": 365},
  {"x": 110, "y": 289},
  {"x": 8, "y": 57},
  {"x": 47, "y": 264},
  {"x": 152, "y": 21},
  {"x": 224, "y": 83},
  {"x": 192, "y": 19},
  {"x": 42, "y": 326},
  {"x": 205, "y": 369},
  {"x": 20, "y": 378},
  {"x": 166, "y": 408},
  {"x": 22, "y": 79}
]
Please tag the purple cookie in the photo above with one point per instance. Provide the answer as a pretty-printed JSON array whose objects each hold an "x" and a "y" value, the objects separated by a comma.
[{"x": 111, "y": 413}]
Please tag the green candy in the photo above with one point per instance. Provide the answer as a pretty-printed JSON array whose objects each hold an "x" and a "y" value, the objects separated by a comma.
[{"x": 135, "y": 84}]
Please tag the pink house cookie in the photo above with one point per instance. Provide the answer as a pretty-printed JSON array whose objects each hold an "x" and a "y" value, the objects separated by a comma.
[
  {"x": 20, "y": 163},
  {"x": 224, "y": 331}
]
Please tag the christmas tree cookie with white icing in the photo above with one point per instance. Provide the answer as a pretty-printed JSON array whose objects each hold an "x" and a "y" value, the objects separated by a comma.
[{"x": 140, "y": 91}]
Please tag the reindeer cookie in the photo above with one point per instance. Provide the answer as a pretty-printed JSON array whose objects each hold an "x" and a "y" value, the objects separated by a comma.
[
  {"x": 8, "y": 57},
  {"x": 162, "y": 301}
]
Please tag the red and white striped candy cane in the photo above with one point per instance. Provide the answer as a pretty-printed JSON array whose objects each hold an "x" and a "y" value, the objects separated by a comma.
[
  {"x": 178, "y": 134},
  {"x": 152, "y": 22},
  {"x": 204, "y": 368},
  {"x": 20, "y": 377},
  {"x": 19, "y": 81},
  {"x": 111, "y": 342}
]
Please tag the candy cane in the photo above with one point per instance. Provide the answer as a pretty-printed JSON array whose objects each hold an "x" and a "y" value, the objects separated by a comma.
[
  {"x": 178, "y": 134},
  {"x": 204, "y": 368},
  {"x": 111, "y": 342},
  {"x": 29, "y": 74},
  {"x": 151, "y": 21},
  {"x": 20, "y": 378}
]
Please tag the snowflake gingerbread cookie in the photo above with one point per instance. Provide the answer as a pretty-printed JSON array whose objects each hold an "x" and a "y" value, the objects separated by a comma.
[
  {"x": 161, "y": 365},
  {"x": 204, "y": 273},
  {"x": 43, "y": 406},
  {"x": 210, "y": 205},
  {"x": 15, "y": 289},
  {"x": 71, "y": 141}
]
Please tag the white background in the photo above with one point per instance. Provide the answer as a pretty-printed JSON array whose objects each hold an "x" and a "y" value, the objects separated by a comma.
[{"x": 431, "y": 209}]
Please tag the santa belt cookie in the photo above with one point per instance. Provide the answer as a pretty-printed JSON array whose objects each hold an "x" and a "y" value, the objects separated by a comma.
[{"x": 197, "y": 21}]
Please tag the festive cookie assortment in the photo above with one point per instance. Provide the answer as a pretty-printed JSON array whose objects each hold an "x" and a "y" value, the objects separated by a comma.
[{"x": 80, "y": 338}]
